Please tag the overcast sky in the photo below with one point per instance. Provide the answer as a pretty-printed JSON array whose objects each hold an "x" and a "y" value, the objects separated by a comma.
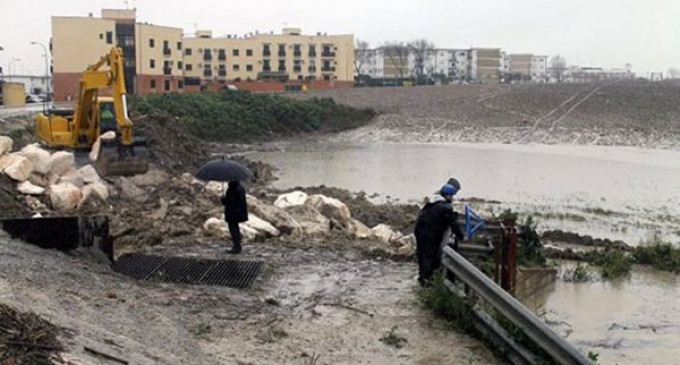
[{"x": 606, "y": 33}]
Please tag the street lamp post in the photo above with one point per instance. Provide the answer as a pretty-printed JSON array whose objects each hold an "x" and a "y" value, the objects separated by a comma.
[{"x": 47, "y": 69}]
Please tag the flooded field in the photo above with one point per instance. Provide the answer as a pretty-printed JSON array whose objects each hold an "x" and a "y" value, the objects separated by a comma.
[{"x": 611, "y": 192}]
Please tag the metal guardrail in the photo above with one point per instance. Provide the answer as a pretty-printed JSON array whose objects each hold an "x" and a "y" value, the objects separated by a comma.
[{"x": 557, "y": 347}]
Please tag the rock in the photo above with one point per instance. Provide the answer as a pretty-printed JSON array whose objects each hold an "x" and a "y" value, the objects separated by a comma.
[
  {"x": 88, "y": 174},
  {"x": 73, "y": 177},
  {"x": 162, "y": 211},
  {"x": 29, "y": 189},
  {"x": 153, "y": 177},
  {"x": 41, "y": 180},
  {"x": 35, "y": 204},
  {"x": 214, "y": 188},
  {"x": 97, "y": 145},
  {"x": 20, "y": 169},
  {"x": 61, "y": 162},
  {"x": 6, "y": 144},
  {"x": 128, "y": 190},
  {"x": 186, "y": 178},
  {"x": 95, "y": 196},
  {"x": 38, "y": 157},
  {"x": 262, "y": 227},
  {"x": 406, "y": 245},
  {"x": 385, "y": 233},
  {"x": 292, "y": 199},
  {"x": 8, "y": 159},
  {"x": 310, "y": 220},
  {"x": 406, "y": 251},
  {"x": 64, "y": 196},
  {"x": 98, "y": 188},
  {"x": 330, "y": 207},
  {"x": 278, "y": 217},
  {"x": 358, "y": 229},
  {"x": 216, "y": 227}
]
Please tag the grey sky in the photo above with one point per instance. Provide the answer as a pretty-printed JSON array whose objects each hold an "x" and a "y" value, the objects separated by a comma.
[{"x": 607, "y": 33}]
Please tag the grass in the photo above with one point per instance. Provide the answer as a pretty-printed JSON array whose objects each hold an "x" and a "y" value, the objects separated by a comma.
[
  {"x": 530, "y": 246},
  {"x": 599, "y": 211},
  {"x": 393, "y": 339},
  {"x": 446, "y": 305},
  {"x": 242, "y": 117},
  {"x": 561, "y": 216},
  {"x": 613, "y": 263},
  {"x": 661, "y": 256},
  {"x": 577, "y": 274}
]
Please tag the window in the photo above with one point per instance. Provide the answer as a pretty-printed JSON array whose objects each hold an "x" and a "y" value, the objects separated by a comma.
[
  {"x": 266, "y": 52},
  {"x": 101, "y": 36},
  {"x": 151, "y": 43},
  {"x": 179, "y": 65},
  {"x": 152, "y": 83},
  {"x": 297, "y": 66},
  {"x": 249, "y": 67},
  {"x": 207, "y": 70},
  {"x": 109, "y": 37},
  {"x": 222, "y": 55},
  {"x": 296, "y": 50},
  {"x": 188, "y": 67},
  {"x": 282, "y": 65},
  {"x": 312, "y": 50},
  {"x": 167, "y": 68},
  {"x": 236, "y": 67},
  {"x": 179, "y": 46},
  {"x": 266, "y": 66},
  {"x": 234, "y": 52},
  {"x": 249, "y": 52},
  {"x": 282, "y": 50},
  {"x": 152, "y": 63},
  {"x": 187, "y": 51},
  {"x": 166, "y": 85},
  {"x": 165, "y": 44},
  {"x": 207, "y": 55},
  {"x": 180, "y": 84}
]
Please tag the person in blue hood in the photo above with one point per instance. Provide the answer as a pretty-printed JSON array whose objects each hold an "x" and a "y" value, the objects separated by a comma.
[{"x": 434, "y": 219}]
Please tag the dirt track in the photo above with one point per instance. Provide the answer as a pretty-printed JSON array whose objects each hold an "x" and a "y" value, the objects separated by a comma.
[
  {"x": 630, "y": 114},
  {"x": 309, "y": 301}
]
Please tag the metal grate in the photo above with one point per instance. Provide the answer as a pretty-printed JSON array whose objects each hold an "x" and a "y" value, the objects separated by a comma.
[{"x": 185, "y": 270}]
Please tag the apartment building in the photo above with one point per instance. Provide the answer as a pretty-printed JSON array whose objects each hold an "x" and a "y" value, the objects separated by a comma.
[
  {"x": 520, "y": 67},
  {"x": 161, "y": 59},
  {"x": 539, "y": 69},
  {"x": 150, "y": 63},
  {"x": 485, "y": 65},
  {"x": 212, "y": 61}
]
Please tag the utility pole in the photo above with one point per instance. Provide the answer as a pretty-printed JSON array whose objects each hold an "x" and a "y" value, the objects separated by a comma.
[{"x": 47, "y": 69}]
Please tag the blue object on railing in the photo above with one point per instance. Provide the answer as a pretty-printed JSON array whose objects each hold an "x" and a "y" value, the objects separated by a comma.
[{"x": 473, "y": 222}]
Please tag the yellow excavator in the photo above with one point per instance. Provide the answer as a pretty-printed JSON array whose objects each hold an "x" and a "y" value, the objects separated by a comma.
[{"x": 94, "y": 115}]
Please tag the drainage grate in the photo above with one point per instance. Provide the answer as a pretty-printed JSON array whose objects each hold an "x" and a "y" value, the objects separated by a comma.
[{"x": 235, "y": 274}]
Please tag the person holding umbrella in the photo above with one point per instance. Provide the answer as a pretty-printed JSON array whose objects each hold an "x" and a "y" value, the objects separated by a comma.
[
  {"x": 235, "y": 212},
  {"x": 234, "y": 200}
]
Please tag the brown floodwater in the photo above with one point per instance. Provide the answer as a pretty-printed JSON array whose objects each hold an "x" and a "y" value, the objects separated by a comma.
[{"x": 622, "y": 193}]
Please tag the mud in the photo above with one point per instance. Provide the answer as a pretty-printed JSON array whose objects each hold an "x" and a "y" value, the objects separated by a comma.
[{"x": 560, "y": 236}]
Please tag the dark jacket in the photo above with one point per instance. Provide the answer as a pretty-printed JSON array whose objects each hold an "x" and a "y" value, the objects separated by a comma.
[
  {"x": 433, "y": 220},
  {"x": 234, "y": 201}
]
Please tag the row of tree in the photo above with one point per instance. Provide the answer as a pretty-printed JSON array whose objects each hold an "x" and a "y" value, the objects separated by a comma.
[{"x": 396, "y": 54}]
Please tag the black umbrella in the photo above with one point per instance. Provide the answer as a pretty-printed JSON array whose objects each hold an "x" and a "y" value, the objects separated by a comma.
[{"x": 223, "y": 170}]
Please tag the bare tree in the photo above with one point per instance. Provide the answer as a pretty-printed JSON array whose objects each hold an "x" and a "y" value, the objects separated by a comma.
[
  {"x": 397, "y": 55},
  {"x": 362, "y": 55},
  {"x": 558, "y": 67},
  {"x": 674, "y": 73},
  {"x": 422, "y": 50}
]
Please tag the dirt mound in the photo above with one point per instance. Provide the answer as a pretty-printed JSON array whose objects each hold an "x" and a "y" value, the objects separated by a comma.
[
  {"x": 27, "y": 339},
  {"x": 170, "y": 145},
  {"x": 10, "y": 200},
  {"x": 577, "y": 239}
]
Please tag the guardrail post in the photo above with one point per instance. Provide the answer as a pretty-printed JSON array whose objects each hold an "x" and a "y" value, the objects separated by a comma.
[{"x": 505, "y": 256}]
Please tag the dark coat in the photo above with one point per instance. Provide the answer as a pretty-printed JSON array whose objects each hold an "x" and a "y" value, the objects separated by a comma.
[
  {"x": 433, "y": 220},
  {"x": 234, "y": 201}
]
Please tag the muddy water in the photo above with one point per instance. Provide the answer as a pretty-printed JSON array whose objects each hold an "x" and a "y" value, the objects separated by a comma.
[
  {"x": 627, "y": 181},
  {"x": 630, "y": 321}
]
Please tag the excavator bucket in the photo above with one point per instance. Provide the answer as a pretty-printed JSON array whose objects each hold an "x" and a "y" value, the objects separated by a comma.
[{"x": 113, "y": 159}]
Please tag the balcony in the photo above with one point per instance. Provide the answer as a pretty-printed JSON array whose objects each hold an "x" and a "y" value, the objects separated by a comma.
[
  {"x": 327, "y": 54},
  {"x": 167, "y": 71},
  {"x": 297, "y": 54},
  {"x": 312, "y": 54},
  {"x": 282, "y": 53},
  {"x": 266, "y": 53},
  {"x": 167, "y": 51},
  {"x": 328, "y": 69},
  {"x": 266, "y": 69},
  {"x": 222, "y": 73},
  {"x": 207, "y": 56},
  {"x": 311, "y": 69},
  {"x": 222, "y": 57},
  {"x": 297, "y": 69},
  {"x": 282, "y": 68},
  {"x": 207, "y": 73}
]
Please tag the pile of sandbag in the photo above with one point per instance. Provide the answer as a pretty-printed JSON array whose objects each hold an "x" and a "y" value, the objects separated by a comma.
[{"x": 39, "y": 172}]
